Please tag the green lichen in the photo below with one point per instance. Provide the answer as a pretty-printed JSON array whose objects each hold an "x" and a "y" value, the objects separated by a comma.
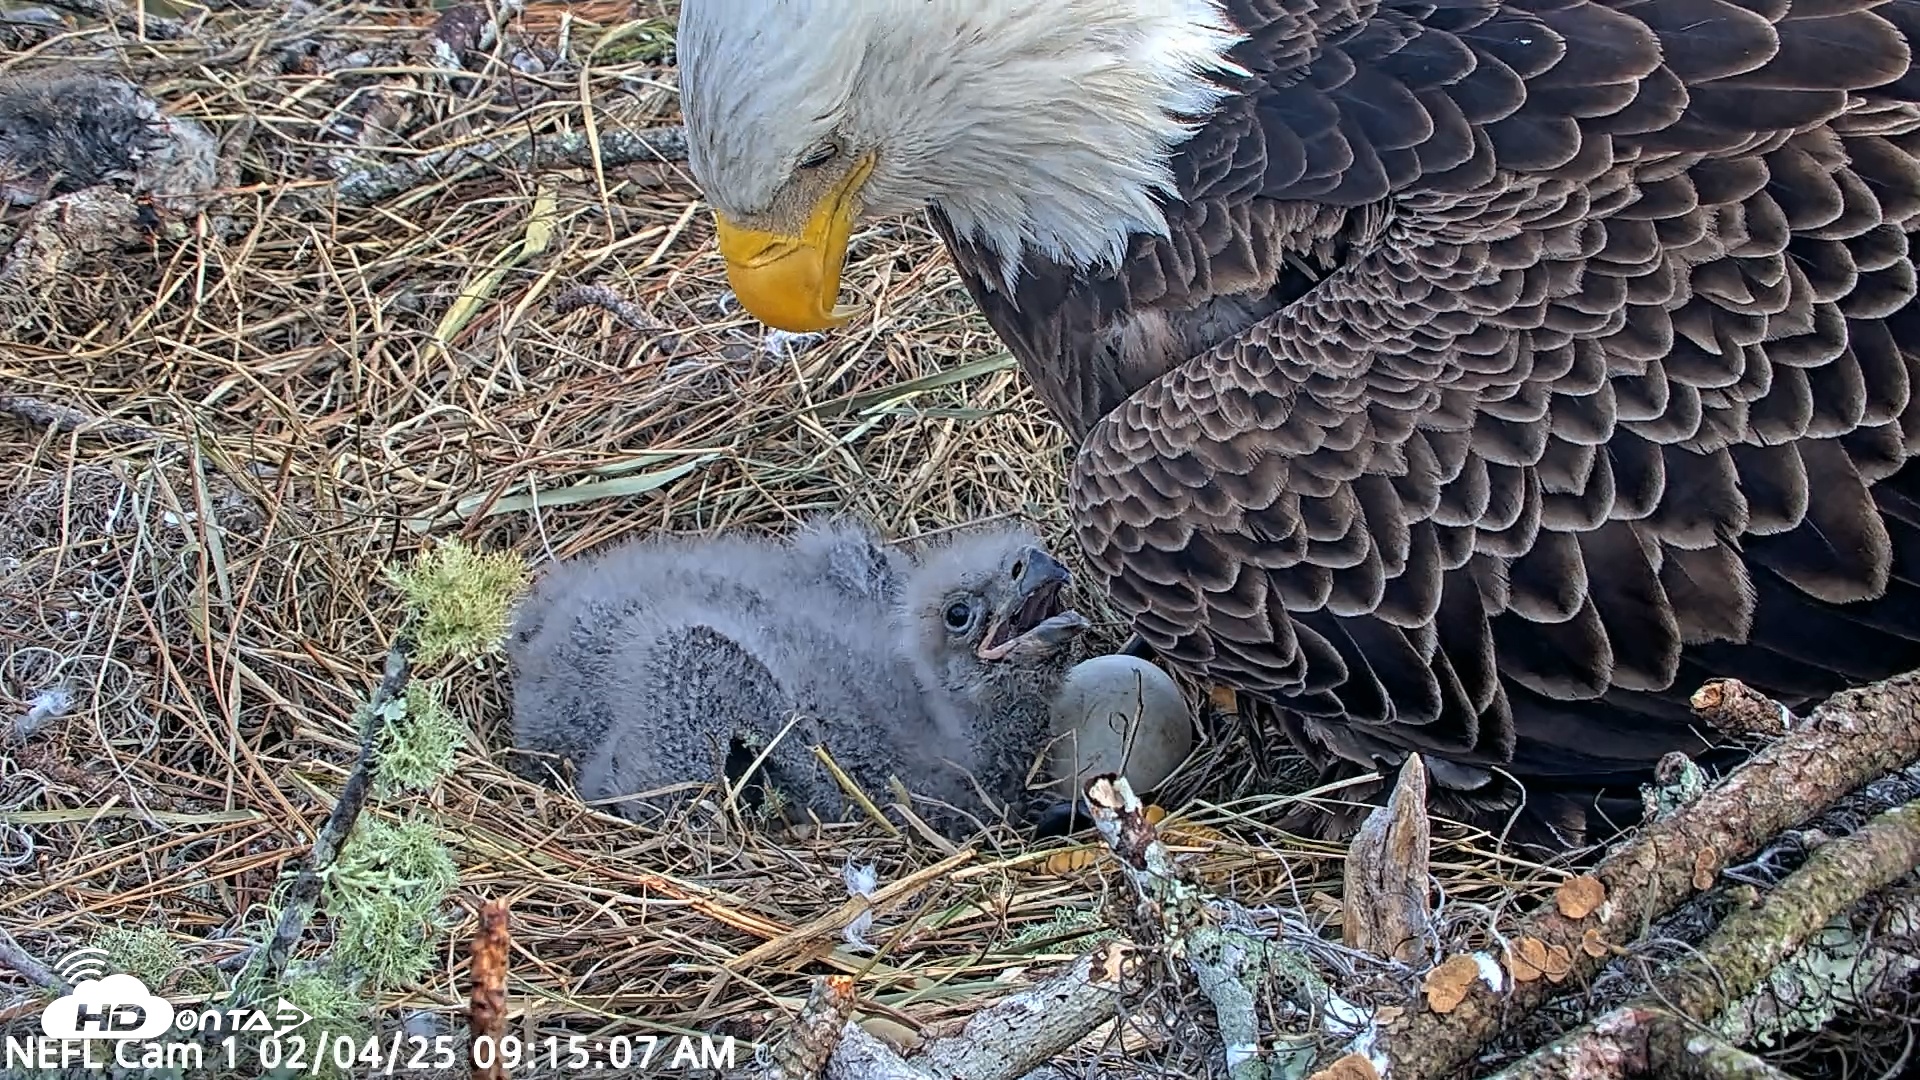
[
  {"x": 339, "y": 1013},
  {"x": 419, "y": 742},
  {"x": 460, "y": 600},
  {"x": 1073, "y": 929},
  {"x": 148, "y": 953},
  {"x": 387, "y": 898}
]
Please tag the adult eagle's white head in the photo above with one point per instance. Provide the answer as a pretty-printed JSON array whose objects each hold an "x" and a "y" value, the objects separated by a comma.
[{"x": 1044, "y": 126}]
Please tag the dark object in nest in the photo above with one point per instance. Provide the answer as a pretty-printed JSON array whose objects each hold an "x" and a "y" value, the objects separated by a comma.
[{"x": 62, "y": 132}]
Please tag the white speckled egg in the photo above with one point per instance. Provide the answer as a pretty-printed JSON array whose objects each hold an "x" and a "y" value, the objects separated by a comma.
[{"x": 1109, "y": 704}]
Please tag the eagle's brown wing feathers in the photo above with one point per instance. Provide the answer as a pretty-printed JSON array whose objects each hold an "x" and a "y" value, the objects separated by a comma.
[{"x": 1605, "y": 386}]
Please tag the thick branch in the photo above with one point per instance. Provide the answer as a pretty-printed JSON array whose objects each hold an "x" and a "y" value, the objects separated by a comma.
[
  {"x": 1841, "y": 969},
  {"x": 1634, "y": 1042},
  {"x": 804, "y": 1051},
  {"x": 1859, "y": 735},
  {"x": 1005, "y": 1041},
  {"x": 1755, "y": 941}
]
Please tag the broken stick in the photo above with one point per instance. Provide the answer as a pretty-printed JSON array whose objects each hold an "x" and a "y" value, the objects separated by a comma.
[{"x": 1386, "y": 905}]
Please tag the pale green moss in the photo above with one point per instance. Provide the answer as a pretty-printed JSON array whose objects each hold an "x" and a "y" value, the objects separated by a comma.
[{"x": 147, "y": 953}]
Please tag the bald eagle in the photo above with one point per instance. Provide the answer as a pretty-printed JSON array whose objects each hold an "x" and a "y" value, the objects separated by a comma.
[{"x": 1468, "y": 377}]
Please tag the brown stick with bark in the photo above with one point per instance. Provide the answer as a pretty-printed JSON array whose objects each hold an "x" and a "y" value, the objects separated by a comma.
[
  {"x": 1858, "y": 736},
  {"x": 1661, "y": 1034}
]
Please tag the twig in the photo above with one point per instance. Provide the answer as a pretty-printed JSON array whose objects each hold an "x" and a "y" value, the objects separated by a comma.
[
  {"x": 1234, "y": 965},
  {"x": 17, "y": 958},
  {"x": 1857, "y": 736},
  {"x": 833, "y": 922},
  {"x": 1387, "y": 905},
  {"x": 303, "y": 897},
  {"x": 1658, "y": 1029},
  {"x": 151, "y": 26},
  {"x": 65, "y": 419},
  {"x": 487, "y": 1003},
  {"x": 604, "y": 298},
  {"x": 617, "y": 148}
]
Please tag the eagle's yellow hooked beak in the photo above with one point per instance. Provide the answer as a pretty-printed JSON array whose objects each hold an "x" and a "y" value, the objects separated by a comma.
[{"x": 792, "y": 283}]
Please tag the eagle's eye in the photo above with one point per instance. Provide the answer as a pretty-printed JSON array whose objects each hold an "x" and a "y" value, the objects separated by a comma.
[
  {"x": 959, "y": 616},
  {"x": 820, "y": 155}
]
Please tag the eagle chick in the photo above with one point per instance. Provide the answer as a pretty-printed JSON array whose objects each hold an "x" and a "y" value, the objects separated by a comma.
[{"x": 658, "y": 665}]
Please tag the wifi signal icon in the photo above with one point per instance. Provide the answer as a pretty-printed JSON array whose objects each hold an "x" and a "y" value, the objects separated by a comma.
[{"x": 81, "y": 965}]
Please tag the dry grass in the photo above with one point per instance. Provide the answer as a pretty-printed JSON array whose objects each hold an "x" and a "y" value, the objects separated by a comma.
[{"x": 213, "y": 590}]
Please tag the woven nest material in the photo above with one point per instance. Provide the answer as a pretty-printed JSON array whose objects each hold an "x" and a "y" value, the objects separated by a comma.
[{"x": 290, "y": 394}]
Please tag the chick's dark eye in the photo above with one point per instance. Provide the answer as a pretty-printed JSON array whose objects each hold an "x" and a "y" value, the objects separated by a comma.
[
  {"x": 958, "y": 616},
  {"x": 819, "y": 155}
]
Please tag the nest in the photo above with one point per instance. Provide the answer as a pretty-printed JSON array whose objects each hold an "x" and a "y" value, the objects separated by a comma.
[{"x": 226, "y": 435}]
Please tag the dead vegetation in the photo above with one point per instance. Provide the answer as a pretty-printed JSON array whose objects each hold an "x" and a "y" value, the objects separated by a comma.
[{"x": 455, "y": 285}]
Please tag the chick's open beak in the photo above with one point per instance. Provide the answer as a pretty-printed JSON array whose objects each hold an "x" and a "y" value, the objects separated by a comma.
[
  {"x": 792, "y": 283},
  {"x": 1036, "y": 617}
]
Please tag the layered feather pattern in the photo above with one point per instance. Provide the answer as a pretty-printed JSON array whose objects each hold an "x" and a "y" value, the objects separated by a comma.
[{"x": 1511, "y": 369}]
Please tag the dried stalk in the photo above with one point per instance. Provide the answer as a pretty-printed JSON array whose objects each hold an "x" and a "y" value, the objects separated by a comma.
[
  {"x": 1859, "y": 735},
  {"x": 487, "y": 1003}
]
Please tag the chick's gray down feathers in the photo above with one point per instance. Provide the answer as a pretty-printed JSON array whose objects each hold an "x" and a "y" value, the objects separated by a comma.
[
  {"x": 676, "y": 660},
  {"x": 1510, "y": 370}
]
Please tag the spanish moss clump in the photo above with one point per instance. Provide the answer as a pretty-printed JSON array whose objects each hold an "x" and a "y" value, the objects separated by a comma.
[
  {"x": 386, "y": 896},
  {"x": 461, "y": 600},
  {"x": 420, "y": 741}
]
